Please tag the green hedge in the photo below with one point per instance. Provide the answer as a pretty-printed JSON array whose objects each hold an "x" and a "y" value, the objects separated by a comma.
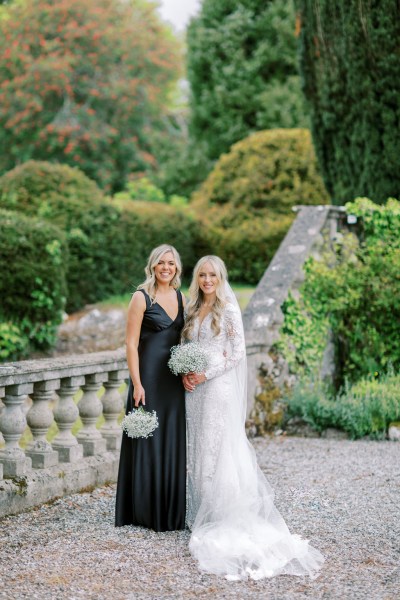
[
  {"x": 32, "y": 283},
  {"x": 364, "y": 408},
  {"x": 244, "y": 206},
  {"x": 108, "y": 241}
]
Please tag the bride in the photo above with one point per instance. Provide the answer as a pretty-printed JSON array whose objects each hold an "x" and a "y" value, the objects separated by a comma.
[{"x": 236, "y": 529}]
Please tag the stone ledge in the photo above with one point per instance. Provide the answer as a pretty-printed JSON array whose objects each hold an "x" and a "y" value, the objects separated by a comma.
[
  {"x": 31, "y": 371},
  {"x": 18, "y": 494}
]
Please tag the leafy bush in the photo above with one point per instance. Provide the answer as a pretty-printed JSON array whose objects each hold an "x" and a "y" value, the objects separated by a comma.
[
  {"x": 364, "y": 408},
  {"x": 354, "y": 292},
  {"x": 108, "y": 241},
  {"x": 32, "y": 286},
  {"x": 360, "y": 295},
  {"x": 245, "y": 204},
  {"x": 303, "y": 335}
]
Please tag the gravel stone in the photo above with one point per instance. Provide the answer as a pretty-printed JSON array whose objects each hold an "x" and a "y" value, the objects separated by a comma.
[{"x": 342, "y": 495}]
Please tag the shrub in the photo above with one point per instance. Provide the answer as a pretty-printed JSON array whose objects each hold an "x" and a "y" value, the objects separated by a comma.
[
  {"x": 108, "y": 241},
  {"x": 354, "y": 291},
  {"x": 245, "y": 204},
  {"x": 46, "y": 189},
  {"x": 32, "y": 286},
  {"x": 364, "y": 408}
]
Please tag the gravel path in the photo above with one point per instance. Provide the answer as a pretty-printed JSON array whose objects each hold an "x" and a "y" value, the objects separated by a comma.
[{"x": 344, "y": 496}]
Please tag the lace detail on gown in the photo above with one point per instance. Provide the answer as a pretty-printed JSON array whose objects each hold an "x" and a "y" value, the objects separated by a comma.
[{"x": 236, "y": 529}]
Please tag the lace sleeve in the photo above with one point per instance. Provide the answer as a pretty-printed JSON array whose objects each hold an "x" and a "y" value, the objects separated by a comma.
[{"x": 234, "y": 332}]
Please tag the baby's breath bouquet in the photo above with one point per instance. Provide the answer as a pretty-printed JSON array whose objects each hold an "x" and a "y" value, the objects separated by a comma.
[
  {"x": 140, "y": 423},
  {"x": 188, "y": 358}
]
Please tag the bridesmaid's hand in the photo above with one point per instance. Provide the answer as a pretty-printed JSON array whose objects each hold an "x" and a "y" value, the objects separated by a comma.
[
  {"x": 139, "y": 395},
  {"x": 196, "y": 378},
  {"x": 189, "y": 387}
]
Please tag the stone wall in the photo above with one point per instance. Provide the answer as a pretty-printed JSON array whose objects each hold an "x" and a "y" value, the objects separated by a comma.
[{"x": 263, "y": 316}]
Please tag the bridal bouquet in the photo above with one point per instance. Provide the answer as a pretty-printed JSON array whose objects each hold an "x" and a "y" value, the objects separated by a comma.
[
  {"x": 140, "y": 423},
  {"x": 188, "y": 358}
]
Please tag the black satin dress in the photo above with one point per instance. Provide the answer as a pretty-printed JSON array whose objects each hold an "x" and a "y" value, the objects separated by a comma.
[{"x": 151, "y": 489}]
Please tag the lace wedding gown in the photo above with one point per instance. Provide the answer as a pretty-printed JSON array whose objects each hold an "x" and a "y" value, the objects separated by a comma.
[{"x": 236, "y": 529}]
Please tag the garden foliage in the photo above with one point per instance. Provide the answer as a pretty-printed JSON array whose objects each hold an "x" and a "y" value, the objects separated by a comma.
[
  {"x": 245, "y": 205},
  {"x": 351, "y": 73},
  {"x": 363, "y": 408},
  {"x": 242, "y": 69},
  {"x": 33, "y": 259},
  {"x": 108, "y": 242},
  {"x": 84, "y": 83}
]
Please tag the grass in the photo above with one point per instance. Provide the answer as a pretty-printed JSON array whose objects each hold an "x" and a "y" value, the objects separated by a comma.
[{"x": 243, "y": 293}]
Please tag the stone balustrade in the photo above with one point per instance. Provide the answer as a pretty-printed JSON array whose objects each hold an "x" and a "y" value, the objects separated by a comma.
[
  {"x": 263, "y": 316},
  {"x": 36, "y": 393}
]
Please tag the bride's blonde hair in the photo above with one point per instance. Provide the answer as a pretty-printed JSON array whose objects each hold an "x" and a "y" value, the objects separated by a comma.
[
  {"x": 150, "y": 283},
  {"x": 196, "y": 296}
]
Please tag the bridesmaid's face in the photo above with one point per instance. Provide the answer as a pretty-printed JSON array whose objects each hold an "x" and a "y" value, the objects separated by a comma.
[
  {"x": 208, "y": 280},
  {"x": 166, "y": 268}
]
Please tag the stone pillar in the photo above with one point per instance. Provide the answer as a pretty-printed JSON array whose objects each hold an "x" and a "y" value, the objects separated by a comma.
[
  {"x": 40, "y": 418},
  {"x": 65, "y": 414},
  {"x": 12, "y": 426},
  {"x": 90, "y": 408},
  {"x": 112, "y": 406}
]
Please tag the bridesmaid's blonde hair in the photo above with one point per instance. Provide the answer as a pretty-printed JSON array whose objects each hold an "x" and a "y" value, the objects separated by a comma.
[
  {"x": 196, "y": 296},
  {"x": 150, "y": 283}
]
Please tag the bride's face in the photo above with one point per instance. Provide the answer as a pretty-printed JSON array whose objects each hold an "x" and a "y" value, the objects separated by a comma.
[
  {"x": 165, "y": 269},
  {"x": 208, "y": 280}
]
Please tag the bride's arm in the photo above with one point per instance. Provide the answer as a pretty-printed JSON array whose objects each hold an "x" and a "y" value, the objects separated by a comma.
[{"x": 234, "y": 330}]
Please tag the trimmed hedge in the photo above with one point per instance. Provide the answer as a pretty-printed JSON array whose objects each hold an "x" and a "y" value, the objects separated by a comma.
[
  {"x": 108, "y": 241},
  {"x": 32, "y": 283},
  {"x": 245, "y": 204}
]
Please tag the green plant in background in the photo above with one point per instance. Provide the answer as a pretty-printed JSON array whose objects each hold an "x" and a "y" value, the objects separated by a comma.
[
  {"x": 33, "y": 264},
  {"x": 351, "y": 76},
  {"x": 93, "y": 82},
  {"x": 303, "y": 335},
  {"x": 243, "y": 73},
  {"x": 360, "y": 294},
  {"x": 108, "y": 241},
  {"x": 245, "y": 206},
  {"x": 364, "y": 408},
  {"x": 146, "y": 191},
  {"x": 141, "y": 189}
]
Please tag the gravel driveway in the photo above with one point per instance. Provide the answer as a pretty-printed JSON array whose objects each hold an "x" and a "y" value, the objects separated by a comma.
[{"x": 344, "y": 496}]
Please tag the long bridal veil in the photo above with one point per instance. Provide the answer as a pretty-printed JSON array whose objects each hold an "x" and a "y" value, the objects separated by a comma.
[{"x": 238, "y": 532}]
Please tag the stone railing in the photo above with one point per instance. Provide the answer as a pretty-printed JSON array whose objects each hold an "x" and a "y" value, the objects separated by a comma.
[
  {"x": 263, "y": 315},
  {"x": 36, "y": 393}
]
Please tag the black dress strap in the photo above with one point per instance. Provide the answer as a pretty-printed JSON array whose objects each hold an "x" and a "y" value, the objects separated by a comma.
[
  {"x": 147, "y": 298},
  {"x": 180, "y": 301}
]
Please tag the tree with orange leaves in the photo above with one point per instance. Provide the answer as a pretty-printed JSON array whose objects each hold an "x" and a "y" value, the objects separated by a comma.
[{"x": 84, "y": 83}]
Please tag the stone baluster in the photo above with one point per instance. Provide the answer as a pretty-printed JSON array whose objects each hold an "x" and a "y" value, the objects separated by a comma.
[
  {"x": 12, "y": 426},
  {"x": 65, "y": 414},
  {"x": 40, "y": 418},
  {"x": 90, "y": 408},
  {"x": 112, "y": 406},
  {"x": 2, "y": 392}
]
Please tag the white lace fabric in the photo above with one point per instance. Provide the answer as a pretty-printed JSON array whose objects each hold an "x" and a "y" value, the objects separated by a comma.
[{"x": 236, "y": 530}]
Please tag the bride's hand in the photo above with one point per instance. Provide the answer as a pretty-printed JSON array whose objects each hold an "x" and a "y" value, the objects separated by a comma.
[
  {"x": 196, "y": 378},
  {"x": 189, "y": 387}
]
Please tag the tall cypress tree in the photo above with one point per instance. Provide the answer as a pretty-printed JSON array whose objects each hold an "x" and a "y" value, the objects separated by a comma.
[
  {"x": 243, "y": 72},
  {"x": 350, "y": 64}
]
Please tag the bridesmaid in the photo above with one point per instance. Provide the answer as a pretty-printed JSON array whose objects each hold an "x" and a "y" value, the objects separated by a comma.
[{"x": 151, "y": 489}]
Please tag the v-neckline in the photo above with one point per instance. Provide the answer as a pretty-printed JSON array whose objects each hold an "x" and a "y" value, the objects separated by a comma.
[
  {"x": 168, "y": 315},
  {"x": 202, "y": 321}
]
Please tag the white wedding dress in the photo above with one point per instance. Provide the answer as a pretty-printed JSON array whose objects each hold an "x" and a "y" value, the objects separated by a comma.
[{"x": 236, "y": 530}]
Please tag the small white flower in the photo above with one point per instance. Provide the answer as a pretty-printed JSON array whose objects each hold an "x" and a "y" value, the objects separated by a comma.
[
  {"x": 188, "y": 358},
  {"x": 140, "y": 423}
]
